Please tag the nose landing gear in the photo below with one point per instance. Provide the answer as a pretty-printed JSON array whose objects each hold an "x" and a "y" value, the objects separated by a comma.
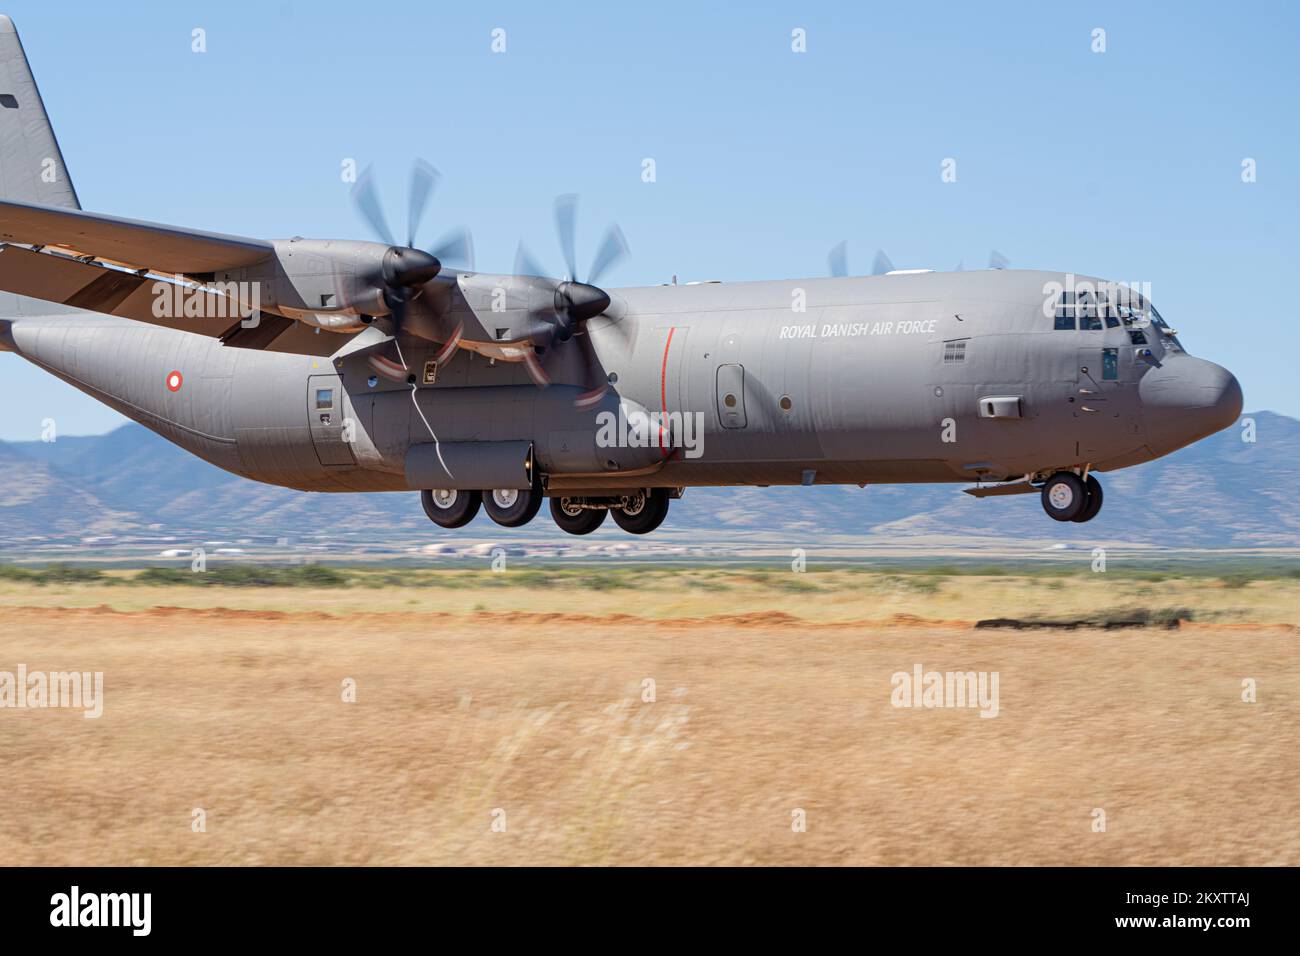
[
  {"x": 1067, "y": 497},
  {"x": 1094, "y": 501}
]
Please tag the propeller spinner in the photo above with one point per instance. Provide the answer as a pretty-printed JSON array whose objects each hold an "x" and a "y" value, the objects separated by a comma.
[
  {"x": 405, "y": 268},
  {"x": 574, "y": 302}
]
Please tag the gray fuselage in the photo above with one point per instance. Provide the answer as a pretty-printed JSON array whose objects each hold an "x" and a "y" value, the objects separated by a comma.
[{"x": 932, "y": 377}]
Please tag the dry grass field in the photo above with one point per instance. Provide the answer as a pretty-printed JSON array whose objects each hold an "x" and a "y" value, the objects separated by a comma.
[{"x": 522, "y": 703}]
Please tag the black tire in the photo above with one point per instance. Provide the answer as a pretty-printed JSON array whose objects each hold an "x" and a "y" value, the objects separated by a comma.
[
  {"x": 512, "y": 507},
  {"x": 1095, "y": 496},
  {"x": 576, "y": 520},
  {"x": 650, "y": 515},
  {"x": 449, "y": 508},
  {"x": 1064, "y": 496}
]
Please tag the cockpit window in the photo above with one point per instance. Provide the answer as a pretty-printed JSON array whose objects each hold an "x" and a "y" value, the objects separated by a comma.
[
  {"x": 1080, "y": 310},
  {"x": 1065, "y": 312},
  {"x": 1170, "y": 339},
  {"x": 1089, "y": 310},
  {"x": 1112, "y": 306}
]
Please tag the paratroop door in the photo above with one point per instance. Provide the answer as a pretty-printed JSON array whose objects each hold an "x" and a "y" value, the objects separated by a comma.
[{"x": 333, "y": 425}]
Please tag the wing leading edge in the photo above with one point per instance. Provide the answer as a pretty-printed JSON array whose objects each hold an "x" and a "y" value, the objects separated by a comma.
[{"x": 131, "y": 242}]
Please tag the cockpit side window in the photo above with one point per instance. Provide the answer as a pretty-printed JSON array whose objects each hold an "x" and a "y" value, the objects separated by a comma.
[
  {"x": 1065, "y": 312},
  {"x": 1089, "y": 312},
  {"x": 1109, "y": 313}
]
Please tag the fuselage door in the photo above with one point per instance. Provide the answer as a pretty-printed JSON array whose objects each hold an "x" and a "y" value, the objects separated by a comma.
[
  {"x": 332, "y": 421},
  {"x": 731, "y": 396}
]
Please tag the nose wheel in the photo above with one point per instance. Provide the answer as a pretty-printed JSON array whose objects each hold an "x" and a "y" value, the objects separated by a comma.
[
  {"x": 1093, "y": 487},
  {"x": 1067, "y": 497}
]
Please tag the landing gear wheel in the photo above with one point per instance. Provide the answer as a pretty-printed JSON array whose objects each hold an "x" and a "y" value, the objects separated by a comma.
[
  {"x": 1089, "y": 511},
  {"x": 1064, "y": 496},
  {"x": 450, "y": 508},
  {"x": 512, "y": 507},
  {"x": 643, "y": 512},
  {"x": 574, "y": 519}
]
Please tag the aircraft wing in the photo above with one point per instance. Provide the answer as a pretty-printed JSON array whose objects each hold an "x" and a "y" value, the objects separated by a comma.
[
  {"x": 103, "y": 264},
  {"x": 62, "y": 278},
  {"x": 141, "y": 245}
]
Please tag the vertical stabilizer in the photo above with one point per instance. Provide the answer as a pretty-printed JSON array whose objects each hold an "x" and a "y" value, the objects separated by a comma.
[{"x": 31, "y": 166}]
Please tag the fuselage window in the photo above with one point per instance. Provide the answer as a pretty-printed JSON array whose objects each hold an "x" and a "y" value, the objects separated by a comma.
[
  {"x": 1109, "y": 364},
  {"x": 324, "y": 398},
  {"x": 1137, "y": 337}
]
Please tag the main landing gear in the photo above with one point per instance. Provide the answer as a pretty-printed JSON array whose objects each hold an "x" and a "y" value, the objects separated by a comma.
[
  {"x": 642, "y": 512},
  {"x": 575, "y": 516},
  {"x": 512, "y": 508},
  {"x": 449, "y": 508},
  {"x": 638, "y": 512},
  {"x": 1068, "y": 497},
  {"x": 508, "y": 507}
]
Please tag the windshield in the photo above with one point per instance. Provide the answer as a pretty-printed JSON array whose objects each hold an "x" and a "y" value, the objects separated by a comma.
[
  {"x": 1112, "y": 305},
  {"x": 1171, "y": 340}
]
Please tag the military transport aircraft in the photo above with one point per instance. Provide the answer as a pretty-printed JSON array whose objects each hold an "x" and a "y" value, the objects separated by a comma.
[{"x": 344, "y": 365}]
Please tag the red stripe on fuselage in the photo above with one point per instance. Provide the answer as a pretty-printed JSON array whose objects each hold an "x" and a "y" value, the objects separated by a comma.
[{"x": 663, "y": 388}]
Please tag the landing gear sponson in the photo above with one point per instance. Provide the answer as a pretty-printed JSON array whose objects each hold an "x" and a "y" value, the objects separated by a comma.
[{"x": 638, "y": 512}]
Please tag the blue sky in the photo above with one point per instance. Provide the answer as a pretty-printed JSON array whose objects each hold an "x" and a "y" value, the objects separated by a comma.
[{"x": 1124, "y": 164}]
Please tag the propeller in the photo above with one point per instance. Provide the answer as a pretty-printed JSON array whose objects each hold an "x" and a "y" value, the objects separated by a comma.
[
  {"x": 574, "y": 302},
  {"x": 404, "y": 269},
  {"x": 837, "y": 260}
]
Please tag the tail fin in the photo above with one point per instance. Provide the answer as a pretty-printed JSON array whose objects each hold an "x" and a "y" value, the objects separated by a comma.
[{"x": 31, "y": 166}]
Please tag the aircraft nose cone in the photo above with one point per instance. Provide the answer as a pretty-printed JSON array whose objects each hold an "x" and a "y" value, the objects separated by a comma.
[{"x": 1186, "y": 399}]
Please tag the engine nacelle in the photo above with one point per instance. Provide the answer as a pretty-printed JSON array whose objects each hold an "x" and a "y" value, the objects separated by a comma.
[
  {"x": 326, "y": 283},
  {"x": 502, "y": 310}
]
